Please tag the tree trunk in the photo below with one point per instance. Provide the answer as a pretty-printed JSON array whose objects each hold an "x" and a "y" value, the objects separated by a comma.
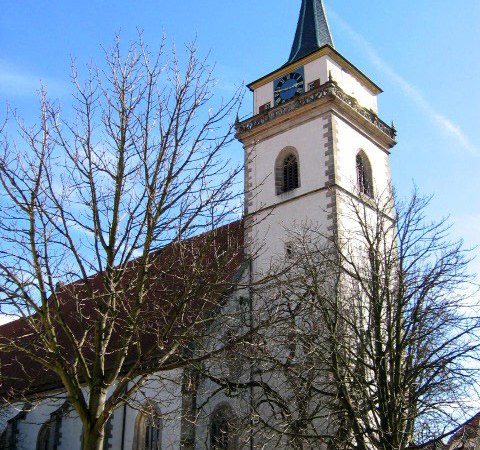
[{"x": 92, "y": 439}]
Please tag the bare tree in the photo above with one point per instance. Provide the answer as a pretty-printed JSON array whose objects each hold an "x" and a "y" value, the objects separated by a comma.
[
  {"x": 111, "y": 253},
  {"x": 382, "y": 344}
]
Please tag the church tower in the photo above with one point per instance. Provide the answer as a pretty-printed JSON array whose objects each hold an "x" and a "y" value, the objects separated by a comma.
[{"x": 314, "y": 137}]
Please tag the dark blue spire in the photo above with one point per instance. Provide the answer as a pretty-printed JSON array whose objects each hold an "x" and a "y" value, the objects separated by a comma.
[{"x": 312, "y": 30}]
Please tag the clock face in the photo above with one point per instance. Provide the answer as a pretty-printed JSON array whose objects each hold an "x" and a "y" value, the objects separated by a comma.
[{"x": 288, "y": 86}]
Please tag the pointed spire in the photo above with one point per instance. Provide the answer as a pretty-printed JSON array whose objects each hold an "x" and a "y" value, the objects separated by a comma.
[{"x": 312, "y": 30}]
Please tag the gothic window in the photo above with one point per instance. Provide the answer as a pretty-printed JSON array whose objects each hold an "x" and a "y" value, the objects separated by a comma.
[
  {"x": 46, "y": 436},
  {"x": 233, "y": 356},
  {"x": 148, "y": 430},
  {"x": 287, "y": 173},
  {"x": 107, "y": 445},
  {"x": 7, "y": 439},
  {"x": 223, "y": 430},
  {"x": 9, "y": 436},
  {"x": 364, "y": 175}
]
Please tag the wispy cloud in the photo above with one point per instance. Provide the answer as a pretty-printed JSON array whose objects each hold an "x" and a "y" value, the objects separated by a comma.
[
  {"x": 466, "y": 226},
  {"x": 229, "y": 79},
  {"x": 15, "y": 82},
  {"x": 412, "y": 92}
]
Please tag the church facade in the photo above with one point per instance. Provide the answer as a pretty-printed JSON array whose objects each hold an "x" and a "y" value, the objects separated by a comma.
[{"x": 314, "y": 139}]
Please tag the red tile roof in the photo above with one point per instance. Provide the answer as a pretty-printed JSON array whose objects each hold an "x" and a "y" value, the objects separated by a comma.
[
  {"x": 186, "y": 283},
  {"x": 466, "y": 436}
]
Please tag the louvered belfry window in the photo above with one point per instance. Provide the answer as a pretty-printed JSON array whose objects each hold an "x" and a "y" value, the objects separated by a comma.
[
  {"x": 364, "y": 176},
  {"x": 290, "y": 173}
]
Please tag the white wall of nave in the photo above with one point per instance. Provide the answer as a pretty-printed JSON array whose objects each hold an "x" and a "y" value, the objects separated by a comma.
[{"x": 163, "y": 392}]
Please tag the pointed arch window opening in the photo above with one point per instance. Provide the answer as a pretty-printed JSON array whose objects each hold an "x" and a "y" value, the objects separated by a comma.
[
  {"x": 148, "y": 429},
  {"x": 220, "y": 434},
  {"x": 290, "y": 173},
  {"x": 223, "y": 430},
  {"x": 9, "y": 435},
  {"x": 47, "y": 436},
  {"x": 153, "y": 434},
  {"x": 8, "y": 439},
  {"x": 364, "y": 175}
]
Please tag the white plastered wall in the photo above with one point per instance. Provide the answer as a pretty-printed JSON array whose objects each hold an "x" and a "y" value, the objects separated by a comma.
[
  {"x": 165, "y": 394},
  {"x": 352, "y": 86},
  {"x": 350, "y": 141},
  {"x": 209, "y": 397},
  {"x": 29, "y": 428},
  {"x": 313, "y": 71},
  {"x": 309, "y": 141},
  {"x": 276, "y": 214},
  {"x": 321, "y": 69},
  {"x": 277, "y": 227}
]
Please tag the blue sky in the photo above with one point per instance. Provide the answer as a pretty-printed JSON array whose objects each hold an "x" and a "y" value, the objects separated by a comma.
[{"x": 424, "y": 54}]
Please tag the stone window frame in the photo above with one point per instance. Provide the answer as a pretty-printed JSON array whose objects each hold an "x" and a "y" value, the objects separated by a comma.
[
  {"x": 148, "y": 413},
  {"x": 282, "y": 184},
  {"x": 364, "y": 173},
  {"x": 9, "y": 435},
  {"x": 52, "y": 428},
  {"x": 224, "y": 414},
  {"x": 46, "y": 436}
]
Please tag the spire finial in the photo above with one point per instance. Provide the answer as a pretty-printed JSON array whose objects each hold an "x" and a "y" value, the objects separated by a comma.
[{"x": 313, "y": 31}]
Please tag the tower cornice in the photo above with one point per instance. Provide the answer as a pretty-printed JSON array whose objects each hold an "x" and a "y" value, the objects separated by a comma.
[{"x": 314, "y": 99}]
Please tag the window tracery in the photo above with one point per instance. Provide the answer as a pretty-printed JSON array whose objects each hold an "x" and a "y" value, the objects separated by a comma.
[{"x": 148, "y": 430}]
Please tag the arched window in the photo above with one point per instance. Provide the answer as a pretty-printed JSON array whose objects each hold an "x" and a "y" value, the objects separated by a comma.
[
  {"x": 223, "y": 430},
  {"x": 148, "y": 430},
  {"x": 287, "y": 173},
  {"x": 46, "y": 436},
  {"x": 7, "y": 441},
  {"x": 364, "y": 175},
  {"x": 9, "y": 436}
]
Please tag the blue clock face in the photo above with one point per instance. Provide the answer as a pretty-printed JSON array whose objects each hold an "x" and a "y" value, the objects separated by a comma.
[{"x": 288, "y": 86}]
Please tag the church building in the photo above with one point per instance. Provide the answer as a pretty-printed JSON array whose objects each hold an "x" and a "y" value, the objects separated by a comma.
[{"x": 314, "y": 139}]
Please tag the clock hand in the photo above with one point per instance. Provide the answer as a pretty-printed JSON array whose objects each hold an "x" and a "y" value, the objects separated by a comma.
[{"x": 290, "y": 87}]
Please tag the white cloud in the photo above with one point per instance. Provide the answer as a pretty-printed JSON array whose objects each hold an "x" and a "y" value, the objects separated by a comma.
[
  {"x": 467, "y": 227},
  {"x": 15, "y": 82},
  {"x": 444, "y": 123}
]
